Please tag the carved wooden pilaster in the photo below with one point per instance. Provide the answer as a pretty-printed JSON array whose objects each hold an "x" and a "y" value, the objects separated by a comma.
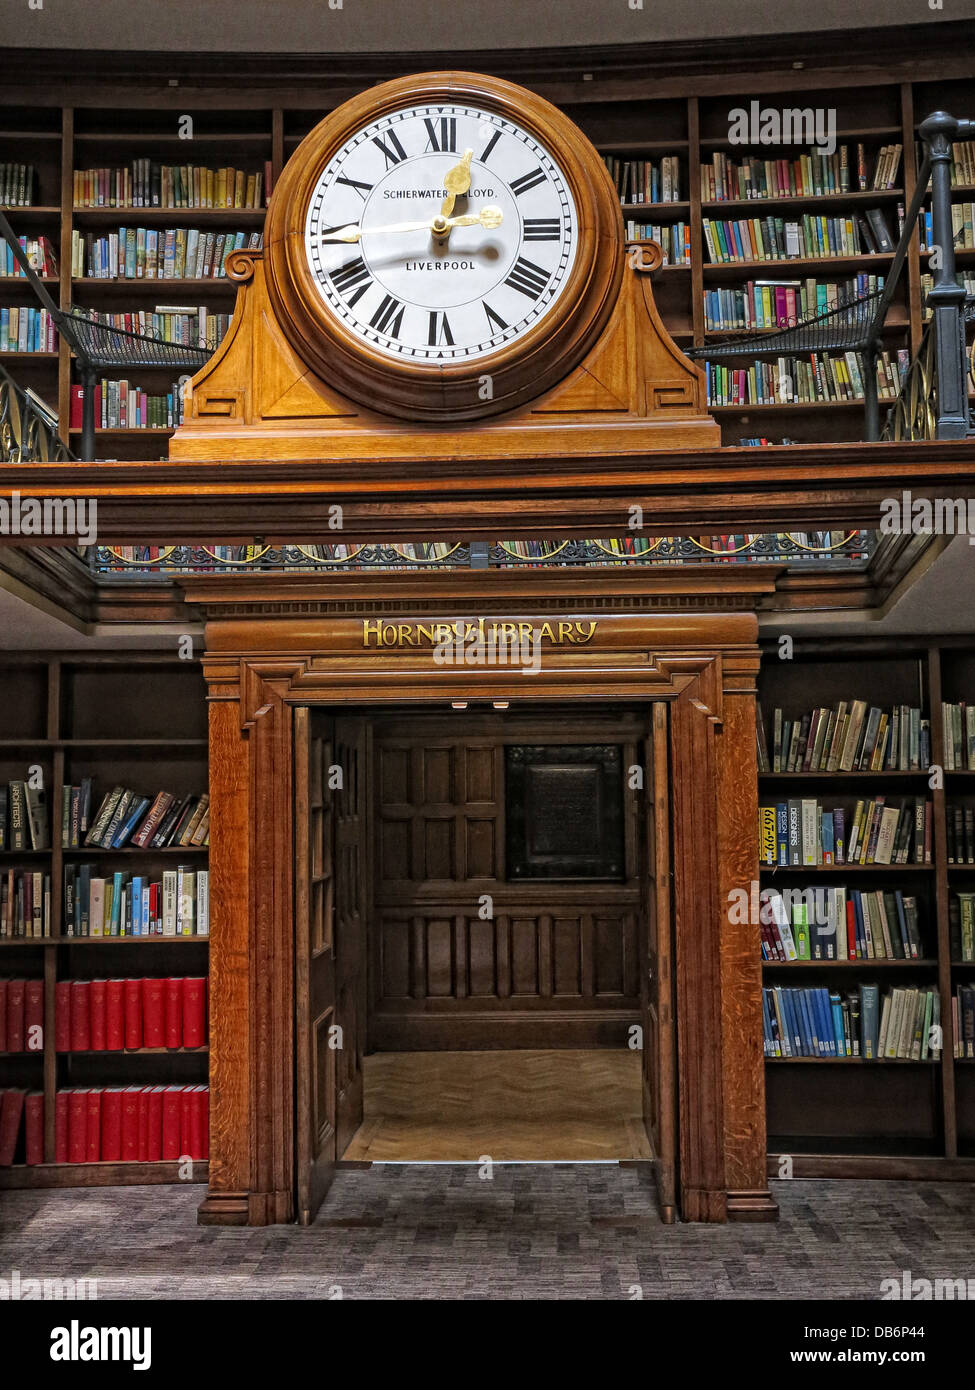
[
  {"x": 697, "y": 951},
  {"x": 749, "y": 1198}
]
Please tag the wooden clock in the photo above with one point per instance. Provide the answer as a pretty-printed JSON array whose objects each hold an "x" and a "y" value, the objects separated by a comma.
[{"x": 444, "y": 247}]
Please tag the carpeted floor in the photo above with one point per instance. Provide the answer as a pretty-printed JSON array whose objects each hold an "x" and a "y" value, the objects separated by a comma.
[{"x": 531, "y": 1231}]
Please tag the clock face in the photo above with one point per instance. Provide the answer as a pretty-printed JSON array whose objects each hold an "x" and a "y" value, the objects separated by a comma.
[{"x": 425, "y": 294}]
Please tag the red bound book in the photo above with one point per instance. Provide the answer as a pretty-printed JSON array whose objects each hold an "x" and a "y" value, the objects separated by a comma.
[
  {"x": 34, "y": 1016},
  {"x": 154, "y": 1120},
  {"x": 80, "y": 1016},
  {"x": 171, "y": 1122},
  {"x": 195, "y": 1149},
  {"x": 115, "y": 1015},
  {"x": 204, "y": 1104},
  {"x": 187, "y": 1110},
  {"x": 133, "y": 1013},
  {"x": 98, "y": 999},
  {"x": 130, "y": 1123},
  {"x": 94, "y": 1128},
  {"x": 34, "y": 1126},
  {"x": 174, "y": 1012},
  {"x": 194, "y": 1012},
  {"x": 77, "y": 1125},
  {"x": 153, "y": 1013},
  {"x": 15, "y": 1015},
  {"x": 11, "y": 1109},
  {"x": 143, "y": 1117},
  {"x": 3, "y": 1015},
  {"x": 62, "y": 1016},
  {"x": 111, "y": 1124},
  {"x": 61, "y": 1127}
]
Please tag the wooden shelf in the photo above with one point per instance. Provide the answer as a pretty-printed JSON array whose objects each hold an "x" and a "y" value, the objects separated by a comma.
[
  {"x": 784, "y": 408},
  {"x": 842, "y": 776},
  {"x": 806, "y": 266},
  {"x": 145, "y": 283},
  {"x": 847, "y": 868},
  {"x": 100, "y": 1174},
  {"x": 648, "y": 209},
  {"x": 131, "y": 940},
  {"x": 717, "y": 142},
  {"x": 865, "y": 963},
  {"x": 802, "y": 200},
  {"x": 88, "y": 850},
  {"x": 124, "y": 434},
  {"x": 124, "y": 216},
  {"x": 135, "y": 1052},
  {"x": 857, "y": 1061}
]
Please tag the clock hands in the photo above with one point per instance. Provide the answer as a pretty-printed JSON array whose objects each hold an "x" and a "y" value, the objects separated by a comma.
[
  {"x": 457, "y": 181},
  {"x": 488, "y": 217}
]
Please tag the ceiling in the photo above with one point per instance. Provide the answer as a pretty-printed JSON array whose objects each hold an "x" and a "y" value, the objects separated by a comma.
[{"x": 404, "y": 26}]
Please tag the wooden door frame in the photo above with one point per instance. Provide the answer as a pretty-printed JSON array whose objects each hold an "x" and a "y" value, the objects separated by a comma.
[{"x": 264, "y": 656}]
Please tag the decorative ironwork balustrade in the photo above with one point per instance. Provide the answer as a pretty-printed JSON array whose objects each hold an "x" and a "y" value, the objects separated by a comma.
[
  {"x": 846, "y": 549},
  {"x": 28, "y": 428}
]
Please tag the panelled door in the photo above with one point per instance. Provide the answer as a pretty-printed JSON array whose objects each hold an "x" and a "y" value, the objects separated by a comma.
[
  {"x": 329, "y": 758},
  {"x": 352, "y": 886},
  {"x": 657, "y": 996}
]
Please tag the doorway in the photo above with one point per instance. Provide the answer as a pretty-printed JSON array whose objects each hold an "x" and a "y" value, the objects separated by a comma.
[{"x": 483, "y": 939}]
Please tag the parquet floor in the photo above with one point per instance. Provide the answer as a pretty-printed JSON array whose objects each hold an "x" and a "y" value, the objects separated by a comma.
[{"x": 529, "y": 1105}]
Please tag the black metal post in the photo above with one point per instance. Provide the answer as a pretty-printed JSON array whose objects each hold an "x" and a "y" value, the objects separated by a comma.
[
  {"x": 871, "y": 399},
  {"x": 480, "y": 558},
  {"x": 947, "y": 298},
  {"x": 89, "y": 381}
]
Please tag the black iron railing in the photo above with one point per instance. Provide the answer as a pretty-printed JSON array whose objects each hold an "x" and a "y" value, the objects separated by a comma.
[
  {"x": 837, "y": 549},
  {"x": 28, "y": 427},
  {"x": 99, "y": 346}
]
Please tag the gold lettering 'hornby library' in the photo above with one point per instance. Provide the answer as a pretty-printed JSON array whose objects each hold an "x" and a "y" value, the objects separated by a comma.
[{"x": 573, "y": 631}]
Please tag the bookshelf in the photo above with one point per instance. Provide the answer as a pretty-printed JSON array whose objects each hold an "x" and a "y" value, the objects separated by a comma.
[
  {"x": 627, "y": 118},
  {"x": 849, "y": 1116},
  {"x": 138, "y": 720}
]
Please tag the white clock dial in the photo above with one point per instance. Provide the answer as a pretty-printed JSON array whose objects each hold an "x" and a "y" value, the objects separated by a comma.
[{"x": 422, "y": 297}]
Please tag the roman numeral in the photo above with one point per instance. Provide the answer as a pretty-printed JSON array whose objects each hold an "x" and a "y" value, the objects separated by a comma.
[
  {"x": 527, "y": 277},
  {"x": 352, "y": 280},
  {"x": 361, "y": 188},
  {"x": 325, "y": 232},
  {"x": 542, "y": 229},
  {"x": 394, "y": 155},
  {"x": 443, "y": 135},
  {"x": 490, "y": 145},
  {"x": 531, "y": 180},
  {"x": 388, "y": 318},
  {"x": 494, "y": 319},
  {"x": 439, "y": 330}
]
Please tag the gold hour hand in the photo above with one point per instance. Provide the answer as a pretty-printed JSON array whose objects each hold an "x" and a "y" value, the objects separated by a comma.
[{"x": 457, "y": 181}]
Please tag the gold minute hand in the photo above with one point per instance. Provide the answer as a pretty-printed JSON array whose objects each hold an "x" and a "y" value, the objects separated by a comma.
[{"x": 488, "y": 217}]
